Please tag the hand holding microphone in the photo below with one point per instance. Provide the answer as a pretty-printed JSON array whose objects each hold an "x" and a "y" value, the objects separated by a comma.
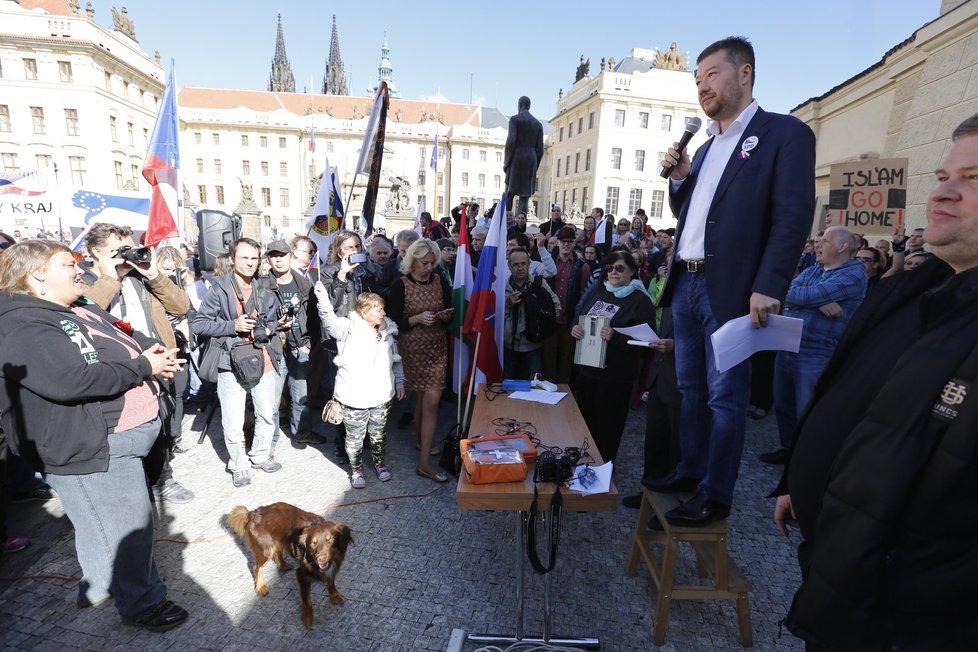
[{"x": 676, "y": 162}]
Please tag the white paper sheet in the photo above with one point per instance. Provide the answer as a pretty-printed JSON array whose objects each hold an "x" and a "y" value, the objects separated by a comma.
[
  {"x": 539, "y": 396},
  {"x": 598, "y": 483},
  {"x": 737, "y": 340},
  {"x": 642, "y": 333}
]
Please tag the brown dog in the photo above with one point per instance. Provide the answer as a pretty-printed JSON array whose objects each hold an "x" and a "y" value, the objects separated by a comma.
[{"x": 317, "y": 544}]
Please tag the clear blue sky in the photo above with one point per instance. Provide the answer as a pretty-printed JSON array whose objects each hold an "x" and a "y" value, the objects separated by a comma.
[{"x": 510, "y": 48}]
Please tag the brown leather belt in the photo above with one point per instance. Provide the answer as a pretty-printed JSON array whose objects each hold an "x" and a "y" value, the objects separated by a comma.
[{"x": 694, "y": 266}]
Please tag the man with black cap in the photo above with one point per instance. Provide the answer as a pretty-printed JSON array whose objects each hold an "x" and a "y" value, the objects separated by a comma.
[
  {"x": 558, "y": 349},
  {"x": 294, "y": 291}
]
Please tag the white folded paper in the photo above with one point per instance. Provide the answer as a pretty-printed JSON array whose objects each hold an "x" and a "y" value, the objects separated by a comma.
[
  {"x": 539, "y": 396},
  {"x": 642, "y": 333},
  {"x": 738, "y": 340}
]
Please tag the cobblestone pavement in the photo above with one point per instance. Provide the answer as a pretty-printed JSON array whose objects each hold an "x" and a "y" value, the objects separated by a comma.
[{"x": 418, "y": 567}]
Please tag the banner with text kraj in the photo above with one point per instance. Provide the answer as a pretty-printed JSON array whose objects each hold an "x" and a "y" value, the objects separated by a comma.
[
  {"x": 868, "y": 196},
  {"x": 75, "y": 209}
]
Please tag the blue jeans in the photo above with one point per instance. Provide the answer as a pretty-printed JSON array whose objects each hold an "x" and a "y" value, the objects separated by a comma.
[
  {"x": 713, "y": 416},
  {"x": 794, "y": 383},
  {"x": 232, "y": 397},
  {"x": 113, "y": 522},
  {"x": 292, "y": 371}
]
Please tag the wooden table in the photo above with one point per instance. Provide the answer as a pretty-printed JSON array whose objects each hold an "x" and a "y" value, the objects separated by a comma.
[{"x": 556, "y": 425}]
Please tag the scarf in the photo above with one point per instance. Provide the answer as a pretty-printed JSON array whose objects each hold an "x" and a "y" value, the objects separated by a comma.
[{"x": 625, "y": 290}]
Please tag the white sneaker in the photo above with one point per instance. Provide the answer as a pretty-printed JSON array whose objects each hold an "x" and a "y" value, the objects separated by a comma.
[
  {"x": 382, "y": 473},
  {"x": 357, "y": 479}
]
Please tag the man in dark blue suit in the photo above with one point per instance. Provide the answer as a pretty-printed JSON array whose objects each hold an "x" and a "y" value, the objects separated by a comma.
[{"x": 746, "y": 204}]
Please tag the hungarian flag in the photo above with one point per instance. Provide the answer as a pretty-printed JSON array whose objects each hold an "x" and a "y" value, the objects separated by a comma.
[
  {"x": 372, "y": 155},
  {"x": 161, "y": 169},
  {"x": 461, "y": 292},
  {"x": 327, "y": 213},
  {"x": 486, "y": 313}
]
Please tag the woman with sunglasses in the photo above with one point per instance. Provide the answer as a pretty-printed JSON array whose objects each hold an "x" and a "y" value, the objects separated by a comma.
[{"x": 603, "y": 393}]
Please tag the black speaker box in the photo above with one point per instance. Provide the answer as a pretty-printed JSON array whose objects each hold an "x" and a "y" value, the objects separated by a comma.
[{"x": 217, "y": 231}]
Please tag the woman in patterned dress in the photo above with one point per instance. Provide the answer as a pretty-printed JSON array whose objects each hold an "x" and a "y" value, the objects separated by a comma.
[{"x": 420, "y": 304}]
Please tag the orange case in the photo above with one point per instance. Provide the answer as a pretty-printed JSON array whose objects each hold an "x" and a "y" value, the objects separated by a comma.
[{"x": 492, "y": 473}]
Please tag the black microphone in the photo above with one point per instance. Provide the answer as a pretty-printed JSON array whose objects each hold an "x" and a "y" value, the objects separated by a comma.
[{"x": 692, "y": 126}]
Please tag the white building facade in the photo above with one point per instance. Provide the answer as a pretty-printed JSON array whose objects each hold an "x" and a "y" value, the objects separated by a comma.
[
  {"x": 610, "y": 133},
  {"x": 75, "y": 97}
]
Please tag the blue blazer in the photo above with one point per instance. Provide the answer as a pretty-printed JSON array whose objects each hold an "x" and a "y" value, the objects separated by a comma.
[{"x": 760, "y": 217}]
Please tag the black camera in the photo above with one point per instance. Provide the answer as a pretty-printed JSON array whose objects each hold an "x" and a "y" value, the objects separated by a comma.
[
  {"x": 260, "y": 333},
  {"x": 554, "y": 468},
  {"x": 287, "y": 311},
  {"x": 134, "y": 255}
]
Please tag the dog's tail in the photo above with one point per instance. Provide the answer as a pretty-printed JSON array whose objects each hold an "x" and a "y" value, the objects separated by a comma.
[{"x": 238, "y": 519}]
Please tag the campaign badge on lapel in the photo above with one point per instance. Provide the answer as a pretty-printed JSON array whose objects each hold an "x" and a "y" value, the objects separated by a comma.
[{"x": 746, "y": 146}]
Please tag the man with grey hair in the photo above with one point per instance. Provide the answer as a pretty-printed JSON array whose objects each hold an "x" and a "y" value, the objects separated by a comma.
[{"x": 824, "y": 295}]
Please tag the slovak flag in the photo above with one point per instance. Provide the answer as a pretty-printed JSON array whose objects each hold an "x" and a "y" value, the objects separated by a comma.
[
  {"x": 161, "y": 169},
  {"x": 485, "y": 315}
]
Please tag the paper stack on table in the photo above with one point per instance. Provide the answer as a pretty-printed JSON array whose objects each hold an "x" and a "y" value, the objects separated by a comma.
[
  {"x": 738, "y": 340},
  {"x": 539, "y": 396},
  {"x": 592, "y": 479}
]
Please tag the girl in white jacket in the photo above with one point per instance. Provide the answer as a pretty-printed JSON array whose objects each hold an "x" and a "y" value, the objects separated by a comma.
[{"x": 369, "y": 374}]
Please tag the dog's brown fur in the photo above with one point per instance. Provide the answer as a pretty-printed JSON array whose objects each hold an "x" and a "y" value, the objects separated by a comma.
[{"x": 317, "y": 544}]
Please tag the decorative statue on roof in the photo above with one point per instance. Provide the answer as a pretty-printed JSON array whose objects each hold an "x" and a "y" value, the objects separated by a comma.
[
  {"x": 89, "y": 10},
  {"x": 583, "y": 69},
  {"x": 672, "y": 60},
  {"x": 123, "y": 23}
]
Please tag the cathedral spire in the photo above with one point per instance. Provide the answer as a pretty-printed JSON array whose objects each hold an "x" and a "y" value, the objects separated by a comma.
[
  {"x": 334, "y": 81},
  {"x": 281, "y": 79},
  {"x": 385, "y": 73}
]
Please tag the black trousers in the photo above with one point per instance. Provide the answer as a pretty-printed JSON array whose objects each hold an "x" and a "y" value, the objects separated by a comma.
[{"x": 604, "y": 406}]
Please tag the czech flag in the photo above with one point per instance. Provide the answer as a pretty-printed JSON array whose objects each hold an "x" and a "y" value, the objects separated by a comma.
[
  {"x": 485, "y": 315},
  {"x": 8, "y": 180},
  {"x": 161, "y": 169}
]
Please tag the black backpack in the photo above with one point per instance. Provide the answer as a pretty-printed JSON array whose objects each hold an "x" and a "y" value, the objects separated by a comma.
[{"x": 538, "y": 307}]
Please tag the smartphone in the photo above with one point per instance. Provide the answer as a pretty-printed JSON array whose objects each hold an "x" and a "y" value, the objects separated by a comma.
[{"x": 358, "y": 258}]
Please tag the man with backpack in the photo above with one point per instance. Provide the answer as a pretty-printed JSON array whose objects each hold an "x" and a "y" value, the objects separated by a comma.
[{"x": 531, "y": 316}]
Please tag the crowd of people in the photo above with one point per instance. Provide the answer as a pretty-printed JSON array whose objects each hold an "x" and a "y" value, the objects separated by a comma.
[{"x": 99, "y": 353}]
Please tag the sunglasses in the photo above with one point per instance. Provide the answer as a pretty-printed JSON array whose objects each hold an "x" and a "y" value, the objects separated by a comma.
[{"x": 621, "y": 269}]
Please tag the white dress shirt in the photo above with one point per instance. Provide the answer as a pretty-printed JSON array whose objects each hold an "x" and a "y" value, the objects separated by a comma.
[{"x": 691, "y": 242}]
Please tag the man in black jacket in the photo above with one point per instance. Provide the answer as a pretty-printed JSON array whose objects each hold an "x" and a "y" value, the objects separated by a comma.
[
  {"x": 883, "y": 477},
  {"x": 294, "y": 291}
]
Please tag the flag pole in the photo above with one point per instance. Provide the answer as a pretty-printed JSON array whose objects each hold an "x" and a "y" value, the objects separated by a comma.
[{"x": 471, "y": 388}]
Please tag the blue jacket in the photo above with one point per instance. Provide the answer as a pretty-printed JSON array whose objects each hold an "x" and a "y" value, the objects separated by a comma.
[{"x": 760, "y": 217}]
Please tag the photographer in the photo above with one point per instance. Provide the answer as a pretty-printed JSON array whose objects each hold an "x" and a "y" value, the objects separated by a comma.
[
  {"x": 240, "y": 310},
  {"x": 293, "y": 291},
  {"x": 125, "y": 281}
]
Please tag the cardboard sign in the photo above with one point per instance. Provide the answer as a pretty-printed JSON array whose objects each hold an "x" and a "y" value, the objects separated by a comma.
[{"x": 868, "y": 196}]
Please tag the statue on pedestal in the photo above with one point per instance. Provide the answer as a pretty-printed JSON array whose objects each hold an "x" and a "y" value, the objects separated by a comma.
[
  {"x": 123, "y": 23},
  {"x": 524, "y": 151},
  {"x": 583, "y": 69}
]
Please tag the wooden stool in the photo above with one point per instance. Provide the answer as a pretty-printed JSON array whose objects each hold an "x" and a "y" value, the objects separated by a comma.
[{"x": 709, "y": 543}]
